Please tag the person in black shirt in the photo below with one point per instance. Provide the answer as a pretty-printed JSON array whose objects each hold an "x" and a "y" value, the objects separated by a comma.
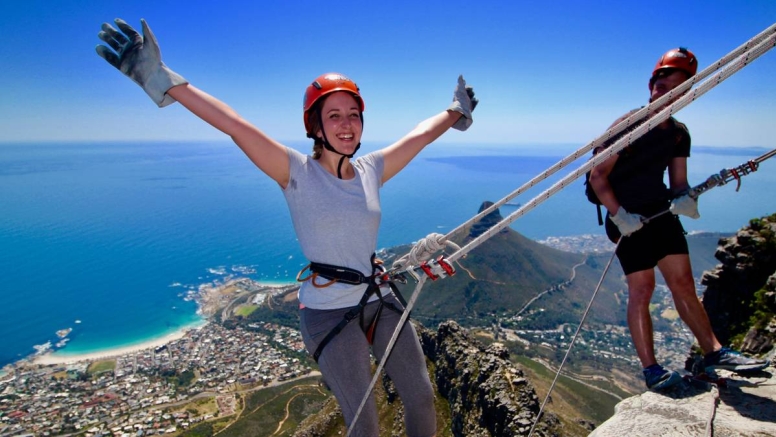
[{"x": 630, "y": 184}]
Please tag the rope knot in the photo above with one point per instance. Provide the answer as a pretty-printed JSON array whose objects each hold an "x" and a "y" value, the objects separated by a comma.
[{"x": 423, "y": 250}]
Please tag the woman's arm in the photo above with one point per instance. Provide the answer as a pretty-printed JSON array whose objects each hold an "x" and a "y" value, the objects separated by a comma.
[
  {"x": 399, "y": 154},
  {"x": 139, "y": 58},
  {"x": 268, "y": 155},
  {"x": 458, "y": 116}
]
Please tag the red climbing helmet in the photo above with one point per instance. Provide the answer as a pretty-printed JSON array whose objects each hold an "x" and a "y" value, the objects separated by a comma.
[
  {"x": 680, "y": 59},
  {"x": 327, "y": 84}
]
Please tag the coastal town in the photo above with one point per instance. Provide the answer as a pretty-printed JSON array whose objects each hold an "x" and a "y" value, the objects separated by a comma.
[{"x": 151, "y": 391}]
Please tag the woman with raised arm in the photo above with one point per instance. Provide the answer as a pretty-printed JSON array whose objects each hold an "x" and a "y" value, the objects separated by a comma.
[{"x": 335, "y": 208}]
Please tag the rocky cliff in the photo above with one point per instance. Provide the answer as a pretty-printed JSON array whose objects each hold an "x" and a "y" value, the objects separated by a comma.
[
  {"x": 488, "y": 396},
  {"x": 735, "y": 295},
  {"x": 487, "y": 221},
  {"x": 740, "y": 298}
]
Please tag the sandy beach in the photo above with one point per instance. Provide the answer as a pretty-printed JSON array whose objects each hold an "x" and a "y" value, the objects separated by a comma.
[
  {"x": 53, "y": 358},
  {"x": 210, "y": 298}
]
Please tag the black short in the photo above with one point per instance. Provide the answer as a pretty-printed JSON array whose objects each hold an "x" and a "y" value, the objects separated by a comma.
[{"x": 642, "y": 249}]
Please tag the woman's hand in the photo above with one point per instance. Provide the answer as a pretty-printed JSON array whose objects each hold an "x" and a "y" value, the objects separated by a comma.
[
  {"x": 464, "y": 103},
  {"x": 139, "y": 58}
]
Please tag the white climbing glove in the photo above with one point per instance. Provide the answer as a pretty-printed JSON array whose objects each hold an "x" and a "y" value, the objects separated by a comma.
[
  {"x": 139, "y": 58},
  {"x": 685, "y": 205},
  {"x": 626, "y": 222},
  {"x": 464, "y": 103}
]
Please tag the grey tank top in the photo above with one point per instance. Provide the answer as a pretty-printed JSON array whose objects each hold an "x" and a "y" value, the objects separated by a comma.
[{"x": 336, "y": 222}]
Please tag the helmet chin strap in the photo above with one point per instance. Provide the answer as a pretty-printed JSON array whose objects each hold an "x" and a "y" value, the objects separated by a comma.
[{"x": 331, "y": 148}]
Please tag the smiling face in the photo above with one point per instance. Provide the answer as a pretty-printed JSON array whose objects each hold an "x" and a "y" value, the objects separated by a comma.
[{"x": 342, "y": 122}]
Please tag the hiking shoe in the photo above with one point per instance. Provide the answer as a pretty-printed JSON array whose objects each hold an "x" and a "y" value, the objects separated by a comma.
[
  {"x": 658, "y": 378},
  {"x": 730, "y": 359}
]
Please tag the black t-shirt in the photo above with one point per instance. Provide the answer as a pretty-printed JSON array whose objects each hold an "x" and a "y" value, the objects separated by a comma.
[{"x": 638, "y": 175}]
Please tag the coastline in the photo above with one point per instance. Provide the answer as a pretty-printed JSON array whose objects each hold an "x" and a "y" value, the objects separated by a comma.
[
  {"x": 60, "y": 357},
  {"x": 209, "y": 298}
]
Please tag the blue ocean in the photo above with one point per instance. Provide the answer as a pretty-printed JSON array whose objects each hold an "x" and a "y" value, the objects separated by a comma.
[{"x": 107, "y": 238}]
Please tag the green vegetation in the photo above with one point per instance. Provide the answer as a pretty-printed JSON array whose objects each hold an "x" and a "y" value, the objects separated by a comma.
[
  {"x": 288, "y": 404},
  {"x": 178, "y": 379},
  {"x": 98, "y": 367},
  {"x": 206, "y": 429},
  {"x": 768, "y": 238},
  {"x": 245, "y": 310},
  {"x": 760, "y": 310},
  {"x": 264, "y": 410},
  {"x": 497, "y": 278},
  {"x": 569, "y": 394},
  {"x": 285, "y": 314},
  {"x": 199, "y": 407},
  {"x": 670, "y": 314},
  {"x": 764, "y": 307}
]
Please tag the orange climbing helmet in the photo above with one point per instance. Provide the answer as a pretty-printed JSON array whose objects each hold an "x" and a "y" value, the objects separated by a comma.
[
  {"x": 327, "y": 84},
  {"x": 680, "y": 59}
]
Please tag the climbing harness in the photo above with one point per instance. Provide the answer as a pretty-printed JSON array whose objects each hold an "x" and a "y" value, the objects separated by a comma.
[
  {"x": 434, "y": 269},
  {"x": 388, "y": 349},
  {"x": 665, "y": 106},
  {"x": 351, "y": 276},
  {"x": 421, "y": 251}
]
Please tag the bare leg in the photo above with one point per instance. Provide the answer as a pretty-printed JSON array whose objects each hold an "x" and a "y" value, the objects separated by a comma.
[
  {"x": 678, "y": 275},
  {"x": 641, "y": 285}
]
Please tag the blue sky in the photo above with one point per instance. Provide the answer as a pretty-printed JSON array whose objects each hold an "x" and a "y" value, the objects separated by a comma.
[{"x": 545, "y": 72}]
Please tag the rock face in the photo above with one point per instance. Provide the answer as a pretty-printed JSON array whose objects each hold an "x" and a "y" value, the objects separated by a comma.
[
  {"x": 747, "y": 259},
  {"x": 746, "y": 408},
  {"x": 321, "y": 424},
  {"x": 761, "y": 337},
  {"x": 741, "y": 289},
  {"x": 486, "y": 222},
  {"x": 488, "y": 396}
]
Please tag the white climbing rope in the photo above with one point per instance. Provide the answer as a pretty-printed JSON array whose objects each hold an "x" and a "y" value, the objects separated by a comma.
[
  {"x": 679, "y": 98},
  {"x": 683, "y": 100},
  {"x": 574, "y": 338},
  {"x": 423, "y": 249},
  {"x": 757, "y": 45}
]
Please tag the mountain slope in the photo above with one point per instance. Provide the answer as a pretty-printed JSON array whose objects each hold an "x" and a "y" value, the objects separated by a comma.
[{"x": 498, "y": 277}]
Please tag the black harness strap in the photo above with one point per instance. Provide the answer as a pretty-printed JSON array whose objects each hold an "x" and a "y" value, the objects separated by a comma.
[
  {"x": 339, "y": 274},
  {"x": 354, "y": 277}
]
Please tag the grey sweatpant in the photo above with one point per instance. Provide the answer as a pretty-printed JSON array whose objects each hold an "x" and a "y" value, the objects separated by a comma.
[{"x": 346, "y": 366}]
